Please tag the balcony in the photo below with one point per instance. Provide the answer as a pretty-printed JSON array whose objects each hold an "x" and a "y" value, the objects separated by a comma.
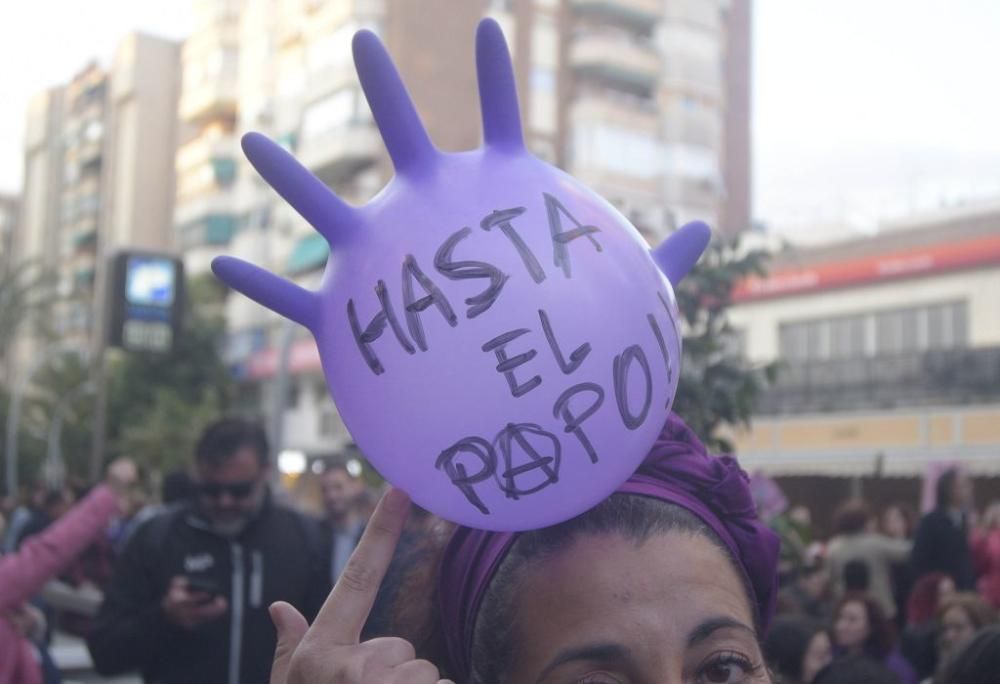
[
  {"x": 638, "y": 13},
  {"x": 337, "y": 155},
  {"x": 943, "y": 377},
  {"x": 193, "y": 208},
  {"x": 616, "y": 60},
  {"x": 210, "y": 100},
  {"x": 83, "y": 278},
  {"x": 85, "y": 239},
  {"x": 685, "y": 74},
  {"x": 211, "y": 229},
  {"x": 310, "y": 253},
  {"x": 208, "y": 146},
  {"x": 616, "y": 108}
]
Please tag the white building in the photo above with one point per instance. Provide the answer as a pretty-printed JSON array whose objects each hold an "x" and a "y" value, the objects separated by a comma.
[{"x": 890, "y": 352}]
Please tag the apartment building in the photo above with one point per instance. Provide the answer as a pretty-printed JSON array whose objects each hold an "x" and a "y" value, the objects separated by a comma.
[
  {"x": 632, "y": 96},
  {"x": 99, "y": 174},
  {"x": 10, "y": 208},
  {"x": 890, "y": 356}
]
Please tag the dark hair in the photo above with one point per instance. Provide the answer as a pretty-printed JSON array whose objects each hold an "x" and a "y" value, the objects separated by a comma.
[
  {"x": 922, "y": 604},
  {"x": 416, "y": 615},
  {"x": 177, "y": 486},
  {"x": 944, "y": 491},
  {"x": 857, "y": 576},
  {"x": 979, "y": 612},
  {"x": 977, "y": 663},
  {"x": 856, "y": 670},
  {"x": 636, "y": 518},
  {"x": 880, "y": 639},
  {"x": 337, "y": 464},
  {"x": 223, "y": 438},
  {"x": 56, "y": 497},
  {"x": 851, "y": 517},
  {"x": 786, "y": 644}
]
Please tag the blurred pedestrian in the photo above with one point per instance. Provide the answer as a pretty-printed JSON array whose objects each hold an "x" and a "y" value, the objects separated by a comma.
[
  {"x": 808, "y": 593},
  {"x": 960, "y": 617},
  {"x": 188, "y": 602},
  {"x": 977, "y": 663},
  {"x": 918, "y": 639},
  {"x": 856, "y": 670},
  {"x": 177, "y": 489},
  {"x": 941, "y": 542},
  {"x": 55, "y": 502},
  {"x": 343, "y": 492},
  {"x": 41, "y": 557},
  {"x": 855, "y": 541},
  {"x": 898, "y": 521},
  {"x": 986, "y": 553},
  {"x": 21, "y": 515},
  {"x": 861, "y": 629},
  {"x": 797, "y": 648}
]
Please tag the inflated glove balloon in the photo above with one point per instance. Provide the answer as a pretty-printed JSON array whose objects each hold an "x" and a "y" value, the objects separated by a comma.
[{"x": 497, "y": 338}]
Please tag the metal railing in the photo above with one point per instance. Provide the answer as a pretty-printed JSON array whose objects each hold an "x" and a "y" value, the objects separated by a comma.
[{"x": 946, "y": 377}]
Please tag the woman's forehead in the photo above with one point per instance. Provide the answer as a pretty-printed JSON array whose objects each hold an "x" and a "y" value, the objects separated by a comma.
[{"x": 602, "y": 584}]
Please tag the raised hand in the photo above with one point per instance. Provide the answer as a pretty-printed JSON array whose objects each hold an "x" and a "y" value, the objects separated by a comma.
[
  {"x": 331, "y": 650},
  {"x": 498, "y": 339}
]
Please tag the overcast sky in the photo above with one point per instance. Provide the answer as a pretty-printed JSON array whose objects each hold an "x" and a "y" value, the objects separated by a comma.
[{"x": 862, "y": 109}]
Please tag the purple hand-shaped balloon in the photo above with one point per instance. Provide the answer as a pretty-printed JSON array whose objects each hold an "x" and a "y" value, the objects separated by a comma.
[{"x": 497, "y": 338}]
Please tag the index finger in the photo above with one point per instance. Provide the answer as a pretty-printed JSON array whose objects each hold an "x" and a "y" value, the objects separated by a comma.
[{"x": 346, "y": 609}]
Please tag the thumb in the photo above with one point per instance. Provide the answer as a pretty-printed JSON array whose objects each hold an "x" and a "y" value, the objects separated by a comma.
[{"x": 291, "y": 627}]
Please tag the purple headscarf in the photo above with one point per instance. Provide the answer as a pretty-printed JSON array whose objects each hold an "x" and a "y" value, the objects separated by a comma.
[{"x": 677, "y": 470}]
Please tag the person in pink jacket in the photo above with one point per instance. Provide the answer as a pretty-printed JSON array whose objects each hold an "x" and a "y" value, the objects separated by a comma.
[
  {"x": 40, "y": 558},
  {"x": 986, "y": 554}
]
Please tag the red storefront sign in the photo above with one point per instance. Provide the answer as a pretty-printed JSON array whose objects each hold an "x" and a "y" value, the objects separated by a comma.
[
  {"x": 303, "y": 357},
  {"x": 940, "y": 258}
]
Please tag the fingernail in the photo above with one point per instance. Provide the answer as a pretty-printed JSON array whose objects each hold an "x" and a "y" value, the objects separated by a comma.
[{"x": 277, "y": 613}]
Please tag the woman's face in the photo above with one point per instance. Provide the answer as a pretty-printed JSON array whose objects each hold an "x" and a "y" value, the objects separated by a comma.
[
  {"x": 956, "y": 629},
  {"x": 946, "y": 587},
  {"x": 851, "y": 628},
  {"x": 818, "y": 655},
  {"x": 894, "y": 523},
  {"x": 606, "y": 611}
]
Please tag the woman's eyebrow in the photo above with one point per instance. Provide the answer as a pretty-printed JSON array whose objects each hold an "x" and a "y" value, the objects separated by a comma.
[
  {"x": 709, "y": 626},
  {"x": 607, "y": 651}
]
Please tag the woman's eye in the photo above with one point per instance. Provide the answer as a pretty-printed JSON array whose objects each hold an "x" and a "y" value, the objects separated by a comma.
[
  {"x": 729, "y": 668},
  {"x": 599, "y": 678}
]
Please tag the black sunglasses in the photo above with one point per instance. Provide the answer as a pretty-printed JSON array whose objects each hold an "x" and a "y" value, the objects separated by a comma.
[{"x": 237, "y": 490}]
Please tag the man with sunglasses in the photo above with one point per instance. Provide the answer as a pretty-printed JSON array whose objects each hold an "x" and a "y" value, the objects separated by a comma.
[{"x": 189, "y": 599}]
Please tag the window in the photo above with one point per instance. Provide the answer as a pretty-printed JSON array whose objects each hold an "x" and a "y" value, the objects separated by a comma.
[
  {"x": 618, "y": 150},
  {"x": 329, "y": 114},
  {"x": 544, "y": 105},
  {"x": 847, "y": 337},
  {"x": 879, "y": 333}
]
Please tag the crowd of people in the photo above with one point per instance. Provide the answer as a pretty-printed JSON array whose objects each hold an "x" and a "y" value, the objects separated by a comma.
[
  {"x": 675, "y": 577},
  {"x": 912, "y": 598}
]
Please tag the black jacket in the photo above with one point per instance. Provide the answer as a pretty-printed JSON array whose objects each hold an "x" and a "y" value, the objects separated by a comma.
[
  {"x": 942, "y": 545},
  {"x": 281, "y": 555}
]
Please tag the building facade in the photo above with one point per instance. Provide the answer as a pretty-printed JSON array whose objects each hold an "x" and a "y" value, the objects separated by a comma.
[
  {"x": 889, "y": 350},
  {"x": 99, "y": 175},
  {"x": 632, "y": 96},
  {"x": 10, "y": 209}
]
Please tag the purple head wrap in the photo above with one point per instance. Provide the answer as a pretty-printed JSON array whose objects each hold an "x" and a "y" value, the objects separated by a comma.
[{"x": 678, "y": 470}]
